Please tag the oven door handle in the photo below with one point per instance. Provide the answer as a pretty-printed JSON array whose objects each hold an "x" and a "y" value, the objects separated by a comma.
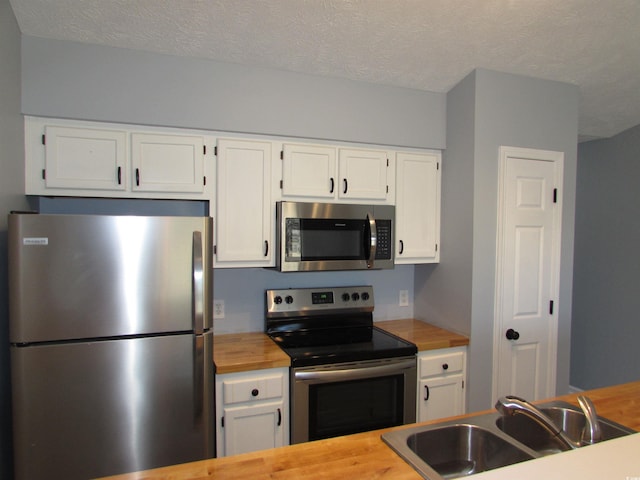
[{"x": 354, "y": 373}]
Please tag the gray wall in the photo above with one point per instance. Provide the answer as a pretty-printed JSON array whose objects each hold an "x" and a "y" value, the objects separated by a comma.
[
  {"x": 443, "y": 292},
  {"x": 606, "y": 303},
  {"x": 486, "y": 110},
  {"x": 73, "y": 80},
  {"x": 11, "y": 198}
]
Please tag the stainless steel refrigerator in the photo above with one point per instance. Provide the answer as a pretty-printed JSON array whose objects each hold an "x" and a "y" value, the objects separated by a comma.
[{"x": 111, "y": 343}]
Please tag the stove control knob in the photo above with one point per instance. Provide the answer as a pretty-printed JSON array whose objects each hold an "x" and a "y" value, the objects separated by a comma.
[
  {"x": 365, "y": 296},
  {"x": 355, "y": 296},
  {"x": 277, "y": 300},
  {"x": 288, "y": 299},
  {"x": 345, "y": 297}
]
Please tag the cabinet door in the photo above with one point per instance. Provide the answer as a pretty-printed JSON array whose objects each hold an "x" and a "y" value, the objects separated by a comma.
[
  {"x": 363, "y": 174},
  {"x": 252, "y": 428},
  {"x": 85, "y": 158},
  {"x": 167, "y": 163},
  {"x": 440, "y": 397},
  {"x": 244, "y": 220},
  {"x": 308, "y": 171},
  {"x": 417, "y": 208}
]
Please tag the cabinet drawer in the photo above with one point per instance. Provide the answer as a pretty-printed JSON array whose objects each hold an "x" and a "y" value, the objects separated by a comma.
[
  {"x": 245, "y": 390},
  {"x": 440, "y": 364}
]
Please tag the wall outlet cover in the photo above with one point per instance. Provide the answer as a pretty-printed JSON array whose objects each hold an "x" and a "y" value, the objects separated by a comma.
[
  {"x": 218, "y": 309},
  {"x": 403, "y": 298}
]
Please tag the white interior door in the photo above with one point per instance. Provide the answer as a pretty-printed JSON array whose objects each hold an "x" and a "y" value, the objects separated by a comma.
[{"x": 528, "y": 262}]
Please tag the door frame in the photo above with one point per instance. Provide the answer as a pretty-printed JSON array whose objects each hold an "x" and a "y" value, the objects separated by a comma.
[{"x": 557, "y": 157}]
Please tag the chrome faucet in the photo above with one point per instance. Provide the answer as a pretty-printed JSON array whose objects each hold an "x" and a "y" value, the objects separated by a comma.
[
  {"x": 512, "y": 405},
  {"x": 591, "y": 433}
]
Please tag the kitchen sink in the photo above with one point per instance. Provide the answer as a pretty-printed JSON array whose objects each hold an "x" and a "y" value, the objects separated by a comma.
[
  {"x": 458, "y": 450},
  {"x": 454, "y": 449},
  {"x": 569, "y": 418}
]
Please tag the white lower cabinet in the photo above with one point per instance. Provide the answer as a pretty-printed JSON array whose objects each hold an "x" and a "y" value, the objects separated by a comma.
[
  {"x": 252, "y": 411},
  {"x": 441, "y": 380}
]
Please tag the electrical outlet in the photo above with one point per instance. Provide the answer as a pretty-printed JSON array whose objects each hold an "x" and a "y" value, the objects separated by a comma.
[
  {"x": 218, "y": 309},
  {"x": 403, "y": 298}
]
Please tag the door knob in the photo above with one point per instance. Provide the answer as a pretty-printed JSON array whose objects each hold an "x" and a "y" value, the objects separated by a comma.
[{"x": 512, "y": 334}]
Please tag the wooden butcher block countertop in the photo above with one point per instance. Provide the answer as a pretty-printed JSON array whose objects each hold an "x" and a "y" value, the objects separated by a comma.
[
  {"x": 237, "y": 352},
  {"x": 360, "y": 456},
  {"x": 424, "y": 335}
]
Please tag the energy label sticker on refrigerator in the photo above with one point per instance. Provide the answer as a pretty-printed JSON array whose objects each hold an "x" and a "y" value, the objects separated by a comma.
[{"x": 35, "y": 241}]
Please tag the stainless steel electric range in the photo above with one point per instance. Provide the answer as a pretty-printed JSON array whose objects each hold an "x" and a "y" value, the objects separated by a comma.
[{"x": 347, "y": 375}]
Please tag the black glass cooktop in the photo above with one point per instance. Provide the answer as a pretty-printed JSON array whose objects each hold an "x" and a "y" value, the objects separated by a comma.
[{"x": 338, "y": 345}]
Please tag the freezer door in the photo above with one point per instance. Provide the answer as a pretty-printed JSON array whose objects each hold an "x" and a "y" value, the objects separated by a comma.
[
  {"x": 81, "y": 277},
  {"x": 86, "y": 410}
]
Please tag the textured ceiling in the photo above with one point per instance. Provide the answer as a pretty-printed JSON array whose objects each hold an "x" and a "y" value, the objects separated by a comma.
[{"x": 422, "y": 44}]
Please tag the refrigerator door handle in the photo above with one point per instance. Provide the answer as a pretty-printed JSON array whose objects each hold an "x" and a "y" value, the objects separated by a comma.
[
  {"x": 203, "y": 373},
  {"x": 197, "y": 286},
  {"x": 198, "y": 376}
]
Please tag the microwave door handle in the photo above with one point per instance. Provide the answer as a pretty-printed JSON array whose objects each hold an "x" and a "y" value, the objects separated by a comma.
[{"x": 373, "y": 240}]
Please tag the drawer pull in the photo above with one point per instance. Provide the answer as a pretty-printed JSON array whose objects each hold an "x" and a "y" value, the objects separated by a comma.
[
  {"x": 279, "y": 417},
  {"x": 426, "y": 393},
  {"x": 255, "y": 392},
  {"x": 445, "y": 366}
]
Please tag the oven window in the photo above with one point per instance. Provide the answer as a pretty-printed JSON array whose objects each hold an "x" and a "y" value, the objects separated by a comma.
[{"x": 342, "y": 408}]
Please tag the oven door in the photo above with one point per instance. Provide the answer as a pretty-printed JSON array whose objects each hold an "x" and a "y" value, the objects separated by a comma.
[{"x": 346, "y": 398}]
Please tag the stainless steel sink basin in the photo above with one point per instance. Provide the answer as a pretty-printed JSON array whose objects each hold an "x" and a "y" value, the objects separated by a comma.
[
  {"x": 453, "y": 449},
  {"x": 569, "y": 418},
  {"x": 460, "y": 450}
]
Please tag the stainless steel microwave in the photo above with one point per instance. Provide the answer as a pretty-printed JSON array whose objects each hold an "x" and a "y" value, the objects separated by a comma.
[{"x": 330, "y": 236}]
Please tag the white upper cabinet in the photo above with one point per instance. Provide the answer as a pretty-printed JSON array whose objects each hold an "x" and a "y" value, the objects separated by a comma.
[
  {"x": 363, "y": 174},
  {"x": 418, "y": 207},
  {"x": 243, "y": 182},
  {"x": 308, "y": 171},
  {"x": 245, "y": 218},
  {"x": 73, "y": 158},
  {"x": 86, "y": 158},
  {"x": 334, "y": 174},
  {"x": 167, "y": 163}
]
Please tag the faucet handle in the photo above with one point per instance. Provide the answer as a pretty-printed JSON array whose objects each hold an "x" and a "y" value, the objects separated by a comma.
[{"x": 592, "y": 432}]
